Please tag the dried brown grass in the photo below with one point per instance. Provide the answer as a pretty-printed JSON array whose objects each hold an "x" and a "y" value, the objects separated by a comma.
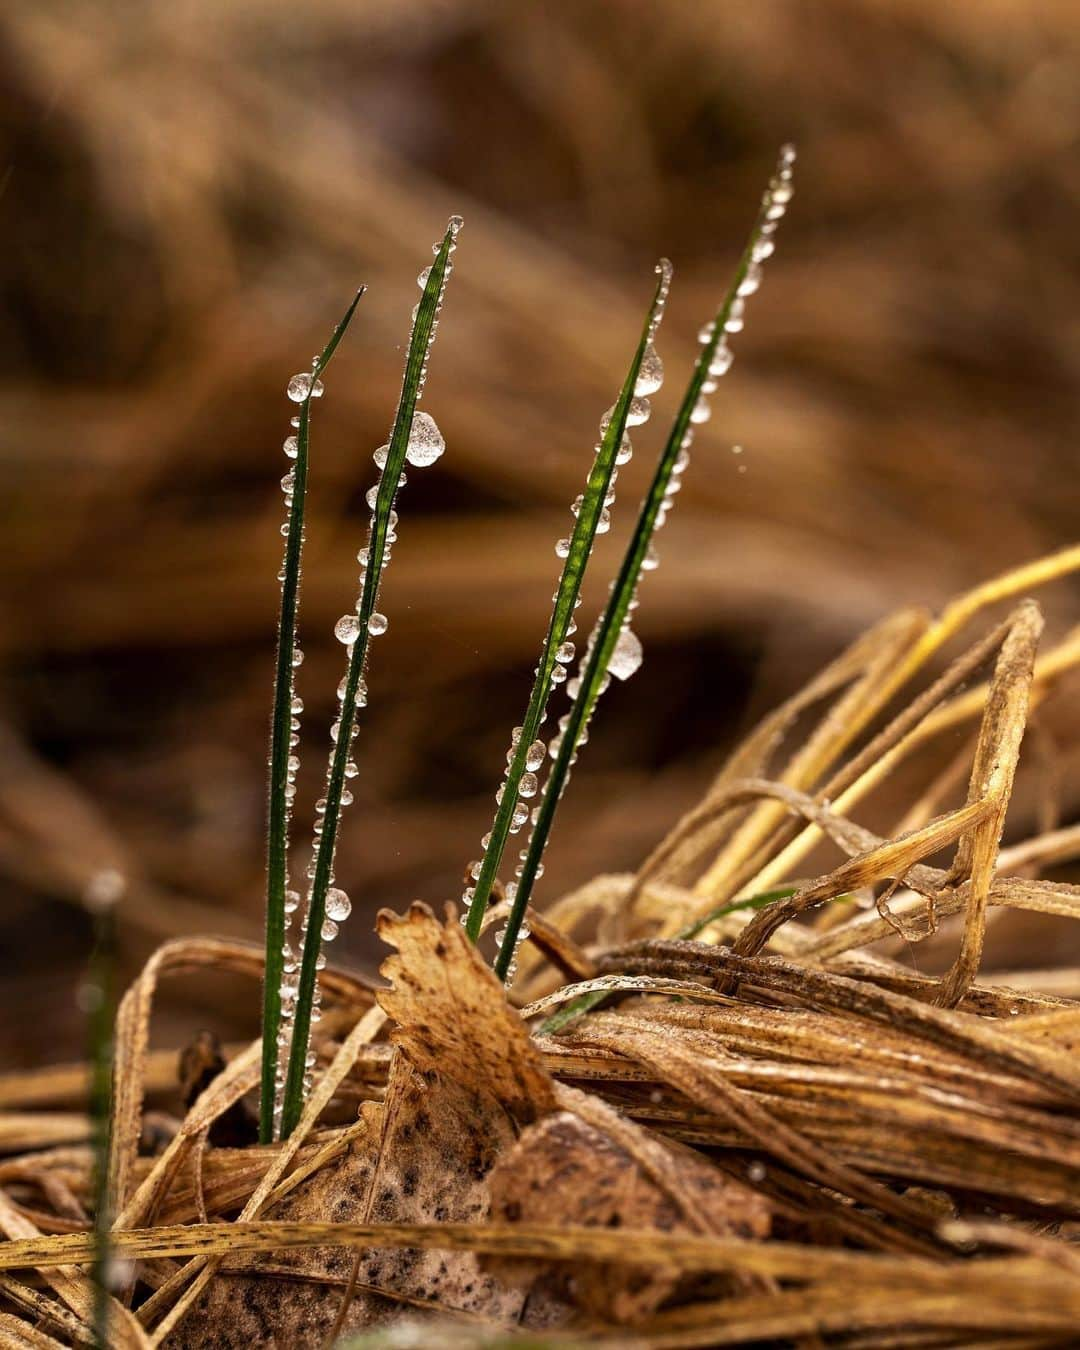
[
  {"x": 188, "y": 190},
  {"x": 869, "y": 1156}
]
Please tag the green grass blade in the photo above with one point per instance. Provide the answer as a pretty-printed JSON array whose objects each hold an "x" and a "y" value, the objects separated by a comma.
[
  {"x": 98, "y": 996},
  {"x": 594, "y": 676},
  {"x": 590, "y": 512},
  {"x": 377, "y": 550},
  {"x": 279, "y": 792}
]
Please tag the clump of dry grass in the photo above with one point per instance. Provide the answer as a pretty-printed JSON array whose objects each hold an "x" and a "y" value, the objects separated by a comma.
[{"x": 772, "y": 1133}]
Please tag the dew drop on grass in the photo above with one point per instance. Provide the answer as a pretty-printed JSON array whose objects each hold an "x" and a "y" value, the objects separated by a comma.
[
  {"x": 721, "y": 360},
  {"x": 651, "y": 561},
  {"x": 338, "y": 905},
  {"x": 701, "y": 412},
  {"x": 329, "y": 930},
  {"x": 528, "y": 785},
  {"x": 562, "y": 548},
  {"x": 377, "y": 624},
  {"x": 650, "y": 372},
  {"x": 534, "y": 756},
  {"x": 291, "y": 446},
  {"x": 300, "y": 386},
  {"x": 347, "y": 629},
  {"x": 626, "y": 656},
  {"x": 426, "y": 442}
]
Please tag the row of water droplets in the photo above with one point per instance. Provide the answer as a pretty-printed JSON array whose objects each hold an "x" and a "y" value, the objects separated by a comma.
[
  {"x": 302, "y": 387},
  {"x": 425, "y": 446},
  {"x": 650, "y": 378},
  {"x": 627, "y": 654}
]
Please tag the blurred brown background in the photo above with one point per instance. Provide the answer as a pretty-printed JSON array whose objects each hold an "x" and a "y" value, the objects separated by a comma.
[{"x": 189, "y": 192}]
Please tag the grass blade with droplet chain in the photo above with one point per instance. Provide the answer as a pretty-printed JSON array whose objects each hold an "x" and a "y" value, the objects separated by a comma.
[
  {"x": 412, "y": 386},
  {"x": 593, "y": 504},
  {"x": 714, "y": 358},
  {"x": 277, "y": 849}
]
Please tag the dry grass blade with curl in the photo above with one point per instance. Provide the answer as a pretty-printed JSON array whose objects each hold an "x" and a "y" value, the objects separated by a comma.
[{"x": 774, "y": 1132}]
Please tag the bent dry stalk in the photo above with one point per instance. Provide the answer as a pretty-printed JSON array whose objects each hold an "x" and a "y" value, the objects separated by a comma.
[
  {"x": 284, "y": 723},
  {"x": 612, "y": 646},
  {"x": 592, "y": 512},
  {"x": 415, "y": 438}
]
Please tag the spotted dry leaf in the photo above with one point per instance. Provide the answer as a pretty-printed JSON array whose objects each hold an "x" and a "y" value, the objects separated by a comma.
[
  {"x": 565, "y": 1170},
  {"x": 452, "y": 1016}
]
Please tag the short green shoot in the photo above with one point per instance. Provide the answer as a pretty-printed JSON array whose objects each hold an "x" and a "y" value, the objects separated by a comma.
[
  {"x": 527, "y": 753},
  {"x": 414, "y": 438},
  {"x": 284, "y": 725},
  {"x": 612, "y": 632}
]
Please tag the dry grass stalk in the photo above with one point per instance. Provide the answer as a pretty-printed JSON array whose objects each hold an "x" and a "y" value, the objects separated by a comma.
[{"x": 771, "y": 1132}]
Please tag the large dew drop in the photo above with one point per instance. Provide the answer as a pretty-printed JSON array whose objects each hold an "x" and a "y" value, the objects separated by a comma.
[
  {"x": 426, "y": 443},
  {"x": 300, "y": 386},
  {"x": 347, "y": 628},
  {"x": 650, "y": 372},
  {"x": 338, "y": 905},
  {"x": 627, "y": 656}
]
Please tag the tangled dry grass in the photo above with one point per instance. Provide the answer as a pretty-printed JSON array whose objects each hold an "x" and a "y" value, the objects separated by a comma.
[
  {"x": 771, "y": 1133},
  {"x": 188, "y": 191}
]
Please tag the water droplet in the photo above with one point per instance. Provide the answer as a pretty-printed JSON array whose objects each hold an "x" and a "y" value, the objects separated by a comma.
[
  {"x": 426, "y": 442},
  {"x": 625, "y": 452},
  {"x": 297, "y": 657},
  {"x": 701, "y": 411},
  {"x": 379, "y": 455},
  {"x": 756, "y": 1172},
  {"x": 377, "y": 624},
  {"x": 565, "y": 653},
  {"x": 329, "y": 930},
  {"x": 372, "y": 496},
  {"x": 338, "y": 905},
  {"x": 528, "y": 785},
  {"x": 300, "y": 387},
  {"x": 721, "y": 361},
  {"x": 651, "y": 561},
  {"x": 291, "y": 446},
  {"x": 422, "y": 279},
  {"x": 638, "y": 412},
  {"x": 534, "y": 756},
  {"x": 562, "y": 548},
  {"x": 626, "y": 656},
  {"x": 292, "y": 901},
  {"x": 650, "y": 372},
  {"x": 347, "y": 629}
]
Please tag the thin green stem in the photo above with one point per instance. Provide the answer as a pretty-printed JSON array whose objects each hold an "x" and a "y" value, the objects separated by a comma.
[
  {"x": 99, "y": 998},
  {"x": 278, "y": 813},
  {"x": 577, "y": 558},
  {"x": 412, "y": 384},
  {"x": 594, "y": 676}
]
